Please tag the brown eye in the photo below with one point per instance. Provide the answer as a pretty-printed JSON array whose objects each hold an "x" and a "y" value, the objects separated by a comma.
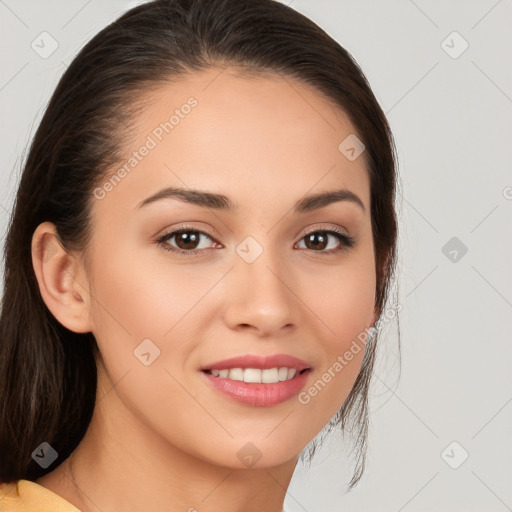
[
  {"x": 327, "y": 241},
  {"x": 317, "y": 240},
  {"x": 187, "y": 240}
]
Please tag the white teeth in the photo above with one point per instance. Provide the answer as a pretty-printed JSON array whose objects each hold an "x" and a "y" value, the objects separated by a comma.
[
  {"x": 256, "y": 375},
  {"x": 252, "y": 375},
  {"x": 283, "y": 373},
  {"x": 270, "y": 375},
  {"x": 236, "y": 374}
]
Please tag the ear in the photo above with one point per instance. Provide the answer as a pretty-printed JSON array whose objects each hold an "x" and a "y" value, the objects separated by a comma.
[{"x": 61, "y": 278}]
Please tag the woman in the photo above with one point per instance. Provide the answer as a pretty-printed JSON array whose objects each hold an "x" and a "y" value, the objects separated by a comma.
[{"x": 202, "y": 245}]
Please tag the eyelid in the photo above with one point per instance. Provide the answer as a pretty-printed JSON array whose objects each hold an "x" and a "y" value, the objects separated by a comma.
[
  {"x": 187, "y": 227},
  {"x": 323, "y": 227}
]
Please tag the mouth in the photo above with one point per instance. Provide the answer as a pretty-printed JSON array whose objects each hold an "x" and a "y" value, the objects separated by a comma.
[
  {"x": 258, "y": 380},
  {"x": 257, "y": 375}
]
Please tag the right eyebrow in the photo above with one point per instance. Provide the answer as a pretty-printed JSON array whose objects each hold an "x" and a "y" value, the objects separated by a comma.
[{"x": 197, "y": 197}]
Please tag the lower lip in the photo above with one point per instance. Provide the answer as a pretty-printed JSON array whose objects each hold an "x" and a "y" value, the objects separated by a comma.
[{"x": 259, "y": 395}]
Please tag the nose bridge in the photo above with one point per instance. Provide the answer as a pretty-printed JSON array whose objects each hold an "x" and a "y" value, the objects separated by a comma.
[
  {"x": 261, "y": 296},
  {"x": 264, "y": 274}
]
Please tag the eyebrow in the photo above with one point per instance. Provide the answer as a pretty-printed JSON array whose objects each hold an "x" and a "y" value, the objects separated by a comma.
[{"x": 222, "y": 202}]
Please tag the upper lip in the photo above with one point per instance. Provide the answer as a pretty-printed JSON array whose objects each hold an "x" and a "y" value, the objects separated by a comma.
[{"x": 263, "y": 362}]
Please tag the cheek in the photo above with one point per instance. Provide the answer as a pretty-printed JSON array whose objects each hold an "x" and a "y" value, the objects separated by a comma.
[
  {"x": 137, "y": 299},
  {"x": 134, "y": 302},
  {"x": 344, "y": 303},
  {"x": 343, "y": 297}
]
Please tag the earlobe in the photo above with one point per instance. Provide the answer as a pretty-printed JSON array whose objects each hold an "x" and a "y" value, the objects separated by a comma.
[{"x": 61, "y": 279}]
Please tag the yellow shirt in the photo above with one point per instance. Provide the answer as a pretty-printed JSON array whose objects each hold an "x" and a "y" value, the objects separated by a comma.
[{"x": 27, "y": 496}]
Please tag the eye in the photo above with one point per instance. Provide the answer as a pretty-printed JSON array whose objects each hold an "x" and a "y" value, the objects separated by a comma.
[
  {"x": 187, "y": 241},
  {"x": 318, "y": 241}
]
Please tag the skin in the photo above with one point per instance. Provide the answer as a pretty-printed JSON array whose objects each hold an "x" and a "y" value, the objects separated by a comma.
[{"x": 161, "y": 437}]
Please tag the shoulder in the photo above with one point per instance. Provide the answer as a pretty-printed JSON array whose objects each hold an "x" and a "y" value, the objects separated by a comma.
[{"x": 27, "y": 496}]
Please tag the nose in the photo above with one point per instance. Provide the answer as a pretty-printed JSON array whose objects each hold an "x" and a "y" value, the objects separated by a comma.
[{"x": 261, "y": 297}]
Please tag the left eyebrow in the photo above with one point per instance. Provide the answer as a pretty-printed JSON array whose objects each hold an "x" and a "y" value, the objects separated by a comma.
[
  {"x": 317, "y": 201},
  {"x": 222, "y": 202}
]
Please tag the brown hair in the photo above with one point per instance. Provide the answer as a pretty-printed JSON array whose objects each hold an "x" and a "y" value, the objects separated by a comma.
[{"x": 47, "y": 372}]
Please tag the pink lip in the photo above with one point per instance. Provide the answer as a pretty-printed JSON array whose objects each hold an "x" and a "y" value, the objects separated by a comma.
[
  {"x": 263, "y": 362},
  {"x": 259, "y": 394}
]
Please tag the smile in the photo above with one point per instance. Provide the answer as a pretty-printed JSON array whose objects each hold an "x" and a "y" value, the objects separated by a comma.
[
  {"x": 265, "y": 376},
  {"x": 259, "y": 381}
]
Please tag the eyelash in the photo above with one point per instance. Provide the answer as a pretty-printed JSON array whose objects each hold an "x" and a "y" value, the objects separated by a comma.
[{"x": 345, "y": 240}]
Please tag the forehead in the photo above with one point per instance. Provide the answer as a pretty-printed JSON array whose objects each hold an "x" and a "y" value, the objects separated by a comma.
[{"x": 250, "y": 137}]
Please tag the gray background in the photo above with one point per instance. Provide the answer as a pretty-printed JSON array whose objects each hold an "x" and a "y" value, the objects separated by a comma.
[{"x": 451, "y": 116}]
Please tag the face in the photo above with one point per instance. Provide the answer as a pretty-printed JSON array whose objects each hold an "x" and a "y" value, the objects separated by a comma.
[{"x": 182, "y": 284}]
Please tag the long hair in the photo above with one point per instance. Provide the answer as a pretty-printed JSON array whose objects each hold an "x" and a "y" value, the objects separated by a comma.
[{"x": 47, "y": 373}]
